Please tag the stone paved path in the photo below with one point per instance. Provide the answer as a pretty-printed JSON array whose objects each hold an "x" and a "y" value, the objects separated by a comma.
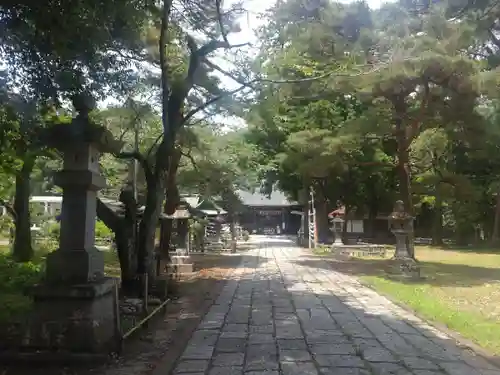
[{"x": 277, "y": 317}]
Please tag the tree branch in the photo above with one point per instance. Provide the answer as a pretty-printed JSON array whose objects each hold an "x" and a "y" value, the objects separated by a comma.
[
  {"x": 162, "y": 49},
  {"x": 148, "y": 173},
  {"x": 215, "y": 99},
  {"x": 191, "y": 159},
  {"x": 9, "y": 208},
  {"x": 414, "y": 128},
  {"x": 218, "y": 7}
]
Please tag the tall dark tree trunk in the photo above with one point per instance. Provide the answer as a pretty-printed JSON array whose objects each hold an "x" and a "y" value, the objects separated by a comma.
[
  {"x": 232, "y": 231},
  {"x": 124, "y": 230},
  {"x": 437, "y": 222},
  {"x": 495, "y": 236},
  {"x": 321, "y": 203},
  {"x": 172, "y": 200},
  {"x": 22, "y": 250},
  {"x": 148, "y": 225},
  {"x": 373, "y": 207},
  {"x": 403, "y": 165}
]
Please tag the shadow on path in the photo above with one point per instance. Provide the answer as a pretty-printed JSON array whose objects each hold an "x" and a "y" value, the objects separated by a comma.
[{"x": 434, "y": 273}]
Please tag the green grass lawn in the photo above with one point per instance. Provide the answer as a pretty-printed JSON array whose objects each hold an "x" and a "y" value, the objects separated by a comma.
[
  {"x": 15, "y": 278},
  {"x": 460, "y": 289}
]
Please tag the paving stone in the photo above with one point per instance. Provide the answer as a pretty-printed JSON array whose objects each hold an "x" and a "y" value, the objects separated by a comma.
[
  {"x": 388, "y": 369},
  {"x": 331, "y": 348},
  {"x": 228, "y": 359},
  {"x": 233, "y": 335},
  {"x": 233, "y": 370},
  {"x": 316, "y": 336},
  {"x": 292, "y": 344},
  {"x": 298, "y": 368},
  {"x": 261, "y": 357},
  {"x": 294, "y": 355},
  {"x": 378, "y": 355},
  {"x": 232, "y": 327},
  {"x": 458, "y": 368},
  {"x": 416, "y": 363},
  {"x": 267, "y": 328},
  {"x": 191, "y": 366},
  {"x": 339, "y": 361},
  {"x": 262, "y": 372},
  {"x": 204, "y": 337},
  {"x": 231, "y": 345},
  {"x": 344, "y": 371},
  {"x": 260, "y": 338},
  {"x": 292, "y": 332},
  {"x": 198, "y": 352}
]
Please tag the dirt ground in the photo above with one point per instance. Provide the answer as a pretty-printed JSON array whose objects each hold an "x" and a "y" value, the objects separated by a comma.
[{"x": 156, "y": 348}]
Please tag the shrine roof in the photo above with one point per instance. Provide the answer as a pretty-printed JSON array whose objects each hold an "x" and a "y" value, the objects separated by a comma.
[{"x": 275, "y": 199}]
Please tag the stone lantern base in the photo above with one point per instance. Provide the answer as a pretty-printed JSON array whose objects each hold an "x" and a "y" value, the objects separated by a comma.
[
  {"x": 74, "y": 318},
  {"x": 67, "y": 322},
  {"x": 405, "y": 268}
]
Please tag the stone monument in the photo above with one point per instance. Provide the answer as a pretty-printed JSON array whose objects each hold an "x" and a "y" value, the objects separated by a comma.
[
  {"x": 401, "y": 225},
  {"x": 75, "y": 303}
]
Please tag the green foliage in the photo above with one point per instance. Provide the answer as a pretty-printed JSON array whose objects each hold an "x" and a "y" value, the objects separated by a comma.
[
  {"x": 363, "y": 89},
  {"x": 48, "y": 65},
  {"x": 16, "y": 276},
  {"x": 52, "y": 230},
  {"x": 102, "y": 232},
  {"x": 15, "y": 279}
]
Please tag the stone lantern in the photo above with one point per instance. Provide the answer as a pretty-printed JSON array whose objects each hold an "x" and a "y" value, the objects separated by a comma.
[
  {"x": 337, "y": 228},
  {"x": 75, "y": 303},
  {"x": 337, "y": 219},
  {"x": 401, "y": 225}
]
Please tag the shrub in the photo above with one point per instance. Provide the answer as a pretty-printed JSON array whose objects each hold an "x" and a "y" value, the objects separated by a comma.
[
  {"x": 102, "y": 232},
  {"x": 245, "y": 235},
  {"x": 15, "y": 278}
]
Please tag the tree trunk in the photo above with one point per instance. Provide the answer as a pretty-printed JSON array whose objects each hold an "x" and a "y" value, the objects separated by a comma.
[
  {"x": 404, "y": 179},
  {"x": 166, "y": 229},
  {"x": 495, "y": 237},
  {"x": 147, "y": 227},
  {"x": 123, "y": 229},
  {"x": 437, "y": 223},
  {"x": 172, "y": 199},
  {"x": 22, "y": 251},
  {"x": 347, "y": 210},
  {"x": 373, "y": 208},
  {"x": 403, "y": 167},
  {"x": 232, "y": 229},
  {"x": 322, "y": 226}
]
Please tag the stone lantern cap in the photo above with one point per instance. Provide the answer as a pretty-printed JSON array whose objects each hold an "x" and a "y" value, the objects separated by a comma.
[
  {"x": 64, "y": 137},
  {"x": 82, "y": 130}
]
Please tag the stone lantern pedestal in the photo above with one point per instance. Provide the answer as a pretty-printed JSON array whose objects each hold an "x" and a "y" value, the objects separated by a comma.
[
  {"x": 401, "y": 225},
  {"x": 75, "y": 305}
]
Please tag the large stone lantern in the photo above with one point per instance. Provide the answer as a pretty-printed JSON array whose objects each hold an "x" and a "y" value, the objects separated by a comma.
[
  {"x": 337, "y": 220},
  {"x": 401, "y": 225},
  {"x": 75, "y": 303}
]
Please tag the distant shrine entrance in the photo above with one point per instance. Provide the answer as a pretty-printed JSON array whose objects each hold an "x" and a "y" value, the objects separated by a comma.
[{"x": 268, "y": 215}]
